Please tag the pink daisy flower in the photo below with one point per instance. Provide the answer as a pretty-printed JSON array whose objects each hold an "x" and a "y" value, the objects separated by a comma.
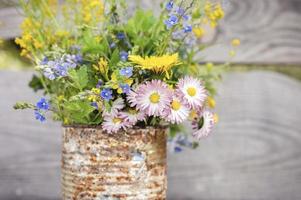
[
  {"x": 133, "y": 116},
  {"x": 153, "y": 97},
  {"x": 204, "y": 127},
  {"x": 192, "y": 92},
  {"x": 114, "y": 123},
  {"x": 178, "y": 112},
  {"x": 131, "y": 98},
  {"x": 117, "y": 105}
]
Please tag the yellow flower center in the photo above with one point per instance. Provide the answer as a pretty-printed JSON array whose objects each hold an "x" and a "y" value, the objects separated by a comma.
[
  {"x": 175, "y": 105},
  {"x": 191, "y": 91},
  {"x": 117, "y": 120},
  {"x": 155, "y": 97}
]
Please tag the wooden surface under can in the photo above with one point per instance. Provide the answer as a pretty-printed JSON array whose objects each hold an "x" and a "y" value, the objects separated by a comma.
[{"x": 124, "y": 165}]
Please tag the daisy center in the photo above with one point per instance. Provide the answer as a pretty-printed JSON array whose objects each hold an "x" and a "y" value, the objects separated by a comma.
[
  {"x": 191, "y": 91},
  {"x": 175, "y": 105},
  {"x": 117, "y": 120},
  {"x": 155, "y": 97}
]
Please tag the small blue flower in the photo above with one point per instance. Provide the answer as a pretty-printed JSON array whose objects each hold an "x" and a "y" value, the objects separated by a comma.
[
  {"x": 186, "y": 17},
  {"x": 178, "y": 149},
  {"x": 62, "y": 69},
  {"x": 43, "y": 104},
  {"x": 39, "y": 116},
  {"x": 44, "y": 61},
  {"x": 112, "y": 45},
  {"x": 120, "y": 36},
  {"x": 173, "y": 20},
  {"x": 78, "y": 58},
  {"x": 187, "y": 29},
  {"x": 99, "y": 83},
  {"x": 106, "y": 94},
  {"x": 180, "y": 11},
  {"x": 125, "y": 88},
  {"x": 48, "y": 73},
  {"x": 169, "y": 5},
  {"x": 94, "y": 104},
  {"x": 124, "y": 56},
  {"x": 127, "y": 72}
]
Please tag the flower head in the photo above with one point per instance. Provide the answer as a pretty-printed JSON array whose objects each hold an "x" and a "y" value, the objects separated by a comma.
[
  {"x": 43, "y": 104},
  {"x": 204, "y": 126},
  {"x": 39, "y": 116},
  {"x": 114, "y": 123},
  {"x": 187, "y": 28},
  {"x": 158, "y": 64},
  {"x": 192, "y": 92},
  {"x": 169, "y": 5},
  {"x": 126, "y": 72},
  {"x": 171, "y": 21},
  {"x": 178, "y": 112},
  {"x": 120, "y": 36},
  {"x": 153, "y": 97},
  {"x": 106, "y": 94},
  {"x": 125, "y": 88},
  {"x": 124, "y": 56},
  {"x": 133, "y": 116}
]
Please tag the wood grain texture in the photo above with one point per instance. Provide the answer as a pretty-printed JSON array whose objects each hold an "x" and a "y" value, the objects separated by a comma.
[
  {"x": 270, "y": 30},
  {"x": 254, "y": 153}
]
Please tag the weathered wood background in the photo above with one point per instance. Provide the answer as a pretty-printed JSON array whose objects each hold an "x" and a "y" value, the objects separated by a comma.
[
  {"x": 270, "y": 30},
  {"x": 254, "y": 153}
]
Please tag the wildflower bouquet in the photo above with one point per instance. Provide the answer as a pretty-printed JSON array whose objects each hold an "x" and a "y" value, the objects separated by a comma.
[{"x": 100, "y": 64}]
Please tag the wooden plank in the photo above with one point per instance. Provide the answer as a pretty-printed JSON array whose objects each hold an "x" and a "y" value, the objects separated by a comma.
[
  {"x": 253, "y": 154},
  {"x": 269, "y": 30}
]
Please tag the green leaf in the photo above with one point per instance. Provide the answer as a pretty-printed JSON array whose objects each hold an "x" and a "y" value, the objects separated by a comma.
[
  {"x": 35, "y": 83},
  {"x": 79, "y": 77},
  {"x": 114, "y": 58},
  {"x": 78, "y": 111}
]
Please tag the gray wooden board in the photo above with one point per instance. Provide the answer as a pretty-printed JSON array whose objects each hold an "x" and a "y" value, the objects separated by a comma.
[
  {"x": 270, "y": 30},
  {"x": 253, "y": 154}
]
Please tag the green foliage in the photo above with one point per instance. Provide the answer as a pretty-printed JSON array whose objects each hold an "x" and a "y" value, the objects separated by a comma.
[
  {"x": 78, "y": 112},
  {"x": 79, "y": 77}
]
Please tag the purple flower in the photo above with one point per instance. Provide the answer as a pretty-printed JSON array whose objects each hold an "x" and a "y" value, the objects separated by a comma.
[
  {"x": 48, "y": 73},
  {"x": 43, "y": 104},
  {"x": 127, "y": 72},
  {"x": 124, "y": 56},
  {"x": 62, "y": 69},
  {"x": 169, "y": 5},
  {"x": 120, "y": 36},
  {"x": 39, "y": 116},
  {"x": 173, "y": 20},
  {"x": 44, "y": 61},
  {"x": 94, "y": 104},
  {"x": 112, "y": 45},
  {"x": 180, "y": 11},
  {"x": 187, "y": 28},
  {"x": 125, "y": 88},
  {"x": 99, "y": 83},
  {"x": 106, "y": 94},
  {"x": 178, "y": 149}
]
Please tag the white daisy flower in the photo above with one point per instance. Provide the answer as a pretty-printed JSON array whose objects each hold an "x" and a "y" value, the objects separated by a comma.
[
  {"x": 153, "y": 97},
  {"x": 178, "y": 112},
  {"x": 192, "y": 92},
  {"x": 204, "y": 126}
]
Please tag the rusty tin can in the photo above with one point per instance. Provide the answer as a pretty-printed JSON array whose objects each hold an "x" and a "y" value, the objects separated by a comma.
[{"x": 125, "y": 165}]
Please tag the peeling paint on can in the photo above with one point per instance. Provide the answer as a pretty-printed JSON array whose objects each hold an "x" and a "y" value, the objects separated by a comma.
[{"x": 125, "y": 165}]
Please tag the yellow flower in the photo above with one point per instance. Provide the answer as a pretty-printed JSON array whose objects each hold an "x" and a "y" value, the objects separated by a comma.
[
  {"x": 116, "y": 83},
  {"x": 37, "y": 44},
  {"x": 157, "y": 64},
  {"x": 211, "y": 102},
  {"x": 198, "y": 32},
  {"x": 235, "y": 42},
  {"x": 102, "y": 67}
]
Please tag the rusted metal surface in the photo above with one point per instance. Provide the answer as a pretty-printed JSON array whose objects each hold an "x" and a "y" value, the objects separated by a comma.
[{"x": 125, "y": 165}]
